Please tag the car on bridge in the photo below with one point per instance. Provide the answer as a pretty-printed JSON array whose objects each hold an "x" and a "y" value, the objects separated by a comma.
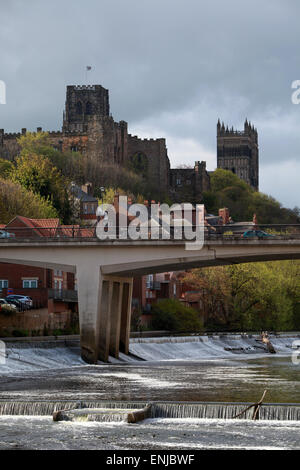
[
  {"x": 5, "y": 234},
  {"x": 256, "y": 233}
]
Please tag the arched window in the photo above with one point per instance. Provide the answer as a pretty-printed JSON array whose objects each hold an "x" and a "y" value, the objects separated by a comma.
[
  {"x": 79, "y": 107},
  {"x": 88, "y": 108}
]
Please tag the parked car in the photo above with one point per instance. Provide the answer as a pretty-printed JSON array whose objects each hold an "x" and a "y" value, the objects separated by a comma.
[
  {"x": 256, "y": 233},
  {"x": 24, "y": 299},
  {"x": 19, "y": 305},
  {"x": 4, "y": 234},
  {"x": 4, "y": 303}
]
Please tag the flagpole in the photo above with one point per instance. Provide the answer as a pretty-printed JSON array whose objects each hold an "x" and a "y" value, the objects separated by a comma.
[{"x": 88, "y": 68}]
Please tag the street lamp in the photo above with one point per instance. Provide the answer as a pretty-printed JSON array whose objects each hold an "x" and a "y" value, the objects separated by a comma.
[{"x": 102, "y": 191}]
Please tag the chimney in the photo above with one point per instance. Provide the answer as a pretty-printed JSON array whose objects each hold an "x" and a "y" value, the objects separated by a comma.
[{"x": 87, "y": 188}]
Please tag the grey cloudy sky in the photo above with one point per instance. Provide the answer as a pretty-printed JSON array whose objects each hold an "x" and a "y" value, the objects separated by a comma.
[{"x": 172, "y": 67}]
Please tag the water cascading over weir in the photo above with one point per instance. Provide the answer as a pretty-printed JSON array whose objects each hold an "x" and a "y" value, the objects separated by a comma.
[{"x": 175, "y": 410}]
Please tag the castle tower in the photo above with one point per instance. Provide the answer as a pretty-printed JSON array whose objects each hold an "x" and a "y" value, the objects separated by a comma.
[
  {"x": 83, "y": 102},
  {"x": 238, "y": 152}
]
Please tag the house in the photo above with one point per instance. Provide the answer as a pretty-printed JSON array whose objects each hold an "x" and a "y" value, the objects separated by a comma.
[
  {"x": 84, "y": 204},
  {"x": 49, "y": 288}
]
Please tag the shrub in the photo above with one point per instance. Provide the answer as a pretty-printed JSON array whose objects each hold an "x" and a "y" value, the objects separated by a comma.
[
  {"x": 172, "y": 315},
  {"x": 20, "y": 333}
]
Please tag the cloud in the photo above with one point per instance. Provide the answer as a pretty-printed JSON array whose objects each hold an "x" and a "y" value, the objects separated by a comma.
[{"x": 171, "y": 67}]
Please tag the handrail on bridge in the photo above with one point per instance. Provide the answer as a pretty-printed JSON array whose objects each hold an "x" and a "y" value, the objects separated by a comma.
[{"x": 230, "y": 231}]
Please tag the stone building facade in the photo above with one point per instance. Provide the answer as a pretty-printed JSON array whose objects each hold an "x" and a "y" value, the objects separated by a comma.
[
  {"x": 238, "y": 152},
  {"x": 188, "y": 184},
  {"x": 89, "y": 128}
]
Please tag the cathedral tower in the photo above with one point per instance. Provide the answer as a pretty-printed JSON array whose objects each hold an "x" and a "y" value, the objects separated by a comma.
[
  {"x": 82, "y": 104},
  {"x": 237, "y": 151}
]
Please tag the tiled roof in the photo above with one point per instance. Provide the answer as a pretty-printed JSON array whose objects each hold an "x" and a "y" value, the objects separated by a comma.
[
  {"x": 81, "y": 195},
  {"x": 41, "y": 227}
]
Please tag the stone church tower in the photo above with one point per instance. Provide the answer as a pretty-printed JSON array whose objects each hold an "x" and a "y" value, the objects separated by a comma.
[{"x": 237, "y": 151}]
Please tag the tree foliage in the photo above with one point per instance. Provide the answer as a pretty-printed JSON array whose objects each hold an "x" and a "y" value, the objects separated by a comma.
[
  {"x": 35, "y": 171},
  {"x": 6, "y": 168},
  {"x": 228, "y": 190},
  {"x": 253, "y": 296},
  {"x": 172, "y": 315},
  {"x": 16, "y": 200}
]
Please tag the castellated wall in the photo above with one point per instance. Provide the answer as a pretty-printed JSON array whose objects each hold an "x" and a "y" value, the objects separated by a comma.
[
  {"x": 158, "y": 162},
  {"x": 9, "y": 147},
  {"x": 88, "y": 128}
]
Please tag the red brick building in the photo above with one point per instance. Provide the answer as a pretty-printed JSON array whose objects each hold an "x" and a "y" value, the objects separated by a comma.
[{"x": 49, "y": 288}]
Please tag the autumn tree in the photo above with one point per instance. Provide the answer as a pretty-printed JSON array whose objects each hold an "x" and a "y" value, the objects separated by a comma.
[
  {"x": 37, "y": 174},
  {"x": 16, "y": 200}
]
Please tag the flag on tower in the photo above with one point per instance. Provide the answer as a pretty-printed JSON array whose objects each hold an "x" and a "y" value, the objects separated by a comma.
[{"x": 88, "y": 67}]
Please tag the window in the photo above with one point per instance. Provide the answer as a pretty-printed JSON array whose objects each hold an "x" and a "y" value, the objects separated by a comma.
[
  {"x": 74, "y": 148},
  {"x": 3, "y": 284},
  {"x": 79, "y": 107},
  {"x": 58, "y": 272},
  {"x": 30, "y": 283},
  {"x": 149, "y": 281},
  {"x": 58, "y": 285},
  {"x": 174, "y": 290},
  {"x": 178, "y": 181},
  {"x": 88, "y": 108}
]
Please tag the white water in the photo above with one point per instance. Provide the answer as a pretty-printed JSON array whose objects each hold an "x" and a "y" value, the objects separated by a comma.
[
  {"x": 194, "y": 348},
  {"x": 31, "y": 357},
  {"x": 34, "y": 357}
]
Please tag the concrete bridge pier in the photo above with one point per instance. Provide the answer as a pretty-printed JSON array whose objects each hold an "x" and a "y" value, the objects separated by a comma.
[{"x": 105, "y": 313}]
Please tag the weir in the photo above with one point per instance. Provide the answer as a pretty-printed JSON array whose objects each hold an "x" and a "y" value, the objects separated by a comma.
[
  {"x": 105, "y": 271},
  {"x": 171, "y": 410}
]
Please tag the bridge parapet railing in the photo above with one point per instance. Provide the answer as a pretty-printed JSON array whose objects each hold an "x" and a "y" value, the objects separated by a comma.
[{"x": 211, "y": 232}]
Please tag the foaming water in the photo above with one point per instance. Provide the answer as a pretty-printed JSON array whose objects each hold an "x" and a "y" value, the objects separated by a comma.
[
  {"x": 276, "y": 412},
  {"x": 195, "y": 348}
]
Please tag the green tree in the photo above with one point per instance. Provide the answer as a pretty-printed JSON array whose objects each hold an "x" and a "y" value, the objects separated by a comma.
[
  {"x": 6, "y": 168},
  {"x": 252, "y": 296},
  {"x": 228, "y": 190},
  {"x": 16, "y": 200},
  {"x": 172, "y": 315},
  {"x": 37, "y": 174}
]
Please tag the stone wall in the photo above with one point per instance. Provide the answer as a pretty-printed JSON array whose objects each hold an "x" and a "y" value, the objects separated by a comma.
[
  {"x": 155, "y": 151},
  {"x": 35, "y": 321}
]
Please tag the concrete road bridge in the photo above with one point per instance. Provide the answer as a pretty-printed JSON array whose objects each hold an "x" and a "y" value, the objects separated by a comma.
[{"x": 105, "y": 270}]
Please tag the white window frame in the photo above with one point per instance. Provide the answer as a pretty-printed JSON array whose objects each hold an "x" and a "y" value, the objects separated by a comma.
[
  {"x": 2, "y": 284},
  {"x": 30, "y": 281}
]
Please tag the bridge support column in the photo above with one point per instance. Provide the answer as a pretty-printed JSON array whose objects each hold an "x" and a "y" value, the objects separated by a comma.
[
  {"x": 115, "y": 317},
  {"x": 126, "y": 316},
  {"x": 115, "y": 325},
  {"x": 89, "y": 280},
  {"x": 104, "y": 313}
]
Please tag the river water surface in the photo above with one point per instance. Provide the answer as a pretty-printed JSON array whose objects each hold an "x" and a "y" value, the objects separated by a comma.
[{"x": 172, "y": 372}]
